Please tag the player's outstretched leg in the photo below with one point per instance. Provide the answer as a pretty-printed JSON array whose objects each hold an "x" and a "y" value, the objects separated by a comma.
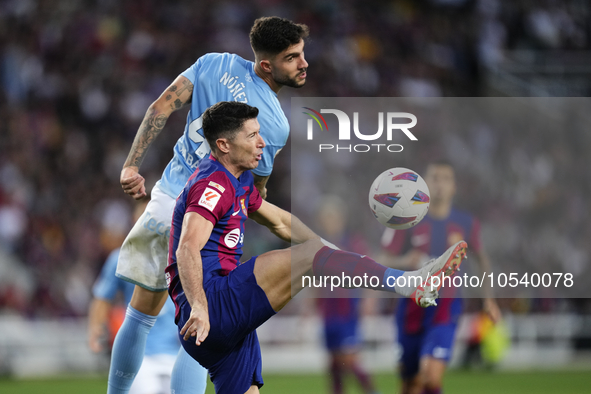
[
  {"x": 130, "y": 341},
  {"x": 421, "y": 285},
  {"x": 282, "y": 274}
]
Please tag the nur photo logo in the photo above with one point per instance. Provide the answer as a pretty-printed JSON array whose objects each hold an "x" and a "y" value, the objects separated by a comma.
[{"x": 394, "y": 124}]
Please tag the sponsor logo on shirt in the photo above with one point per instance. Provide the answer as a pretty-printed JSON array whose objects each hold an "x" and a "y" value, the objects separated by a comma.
[
  {"x": 209, "y": 199},
  {"x": 233, "y": 238}
]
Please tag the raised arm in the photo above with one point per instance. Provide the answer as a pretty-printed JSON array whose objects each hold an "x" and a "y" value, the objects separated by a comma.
[
  {"x": 194, "y": 235},
  {"x": 282, "y": 223},
  {"x": 175, "y": 97}
]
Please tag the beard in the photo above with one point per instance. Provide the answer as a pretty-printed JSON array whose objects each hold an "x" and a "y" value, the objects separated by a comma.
[{"x": 291, "y": 82}]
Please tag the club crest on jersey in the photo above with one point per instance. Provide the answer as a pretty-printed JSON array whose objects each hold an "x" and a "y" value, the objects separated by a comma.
[
  {"x": 243, "y": 206},
  {"x": 209, "y": 199}
]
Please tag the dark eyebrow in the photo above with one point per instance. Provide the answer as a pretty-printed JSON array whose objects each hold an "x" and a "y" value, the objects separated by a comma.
[{"x": 292, "y": 54}]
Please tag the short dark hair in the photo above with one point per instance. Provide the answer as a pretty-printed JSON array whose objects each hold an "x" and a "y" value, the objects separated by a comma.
[
  {"x": 272, "y": 35},
  {"x": 225, "y": 119}
]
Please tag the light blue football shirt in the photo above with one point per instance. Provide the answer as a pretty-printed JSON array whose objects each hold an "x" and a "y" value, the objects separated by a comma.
[
  {"x": 162, "y": 338},
  {"x": 224, "y": 77}
]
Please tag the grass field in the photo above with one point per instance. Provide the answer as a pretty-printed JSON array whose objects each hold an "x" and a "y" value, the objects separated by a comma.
[{"x": 543, "y": 382}]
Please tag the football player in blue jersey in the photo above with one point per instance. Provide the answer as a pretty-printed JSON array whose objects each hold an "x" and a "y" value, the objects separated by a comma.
[
  {"x": 278, "y": 46},
  {"x": 426, "y": 336}
]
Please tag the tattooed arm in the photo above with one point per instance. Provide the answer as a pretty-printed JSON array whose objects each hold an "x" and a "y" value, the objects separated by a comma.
[{"x": 173, "y": 98}]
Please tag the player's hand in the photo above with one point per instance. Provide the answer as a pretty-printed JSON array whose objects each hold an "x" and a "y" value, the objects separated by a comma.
[
  {"x": 132, "y": 182},
  {"x": 97, "y": 339},
  {"x": 197, "y": 326},
  {"x": 492, "y": 310}
]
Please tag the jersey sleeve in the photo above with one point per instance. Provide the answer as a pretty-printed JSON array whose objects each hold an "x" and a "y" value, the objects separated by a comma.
[
  {"x": 192, "y": 72},
  {"x": 394, "y": 241},
  {"x": 254, "y": 201},
  {"x": 211, "y": 197},
  {"x": 474, "y": 240},
  {"x": 271, "y": 149},
  {"x": 107, "y": 284}
]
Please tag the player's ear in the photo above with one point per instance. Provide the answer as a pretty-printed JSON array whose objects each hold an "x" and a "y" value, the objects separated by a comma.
[
  {"x": 223, "y": 145},
  {"x": 265, "y": 65}
]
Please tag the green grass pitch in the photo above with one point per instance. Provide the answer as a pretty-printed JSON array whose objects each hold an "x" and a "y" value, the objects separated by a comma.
[{"x": 456, "y": 382}]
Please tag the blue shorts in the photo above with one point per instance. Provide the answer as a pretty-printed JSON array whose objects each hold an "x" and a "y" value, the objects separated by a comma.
[
  {"x": 231, "y": 351},
  {"x": 435, "y": 341},
  {"x": 341, "y": 335}
]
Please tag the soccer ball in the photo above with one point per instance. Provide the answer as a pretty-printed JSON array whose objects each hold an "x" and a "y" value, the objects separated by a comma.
[{"x": 399, "y": 198}]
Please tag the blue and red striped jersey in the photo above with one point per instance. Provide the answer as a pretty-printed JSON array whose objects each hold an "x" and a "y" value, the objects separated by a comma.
[
  {"x": 433, "y": 237},
  {"x": 214, "y": 193}
]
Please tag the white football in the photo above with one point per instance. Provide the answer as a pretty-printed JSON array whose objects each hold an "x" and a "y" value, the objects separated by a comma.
[{"x": 399, "y": 198}]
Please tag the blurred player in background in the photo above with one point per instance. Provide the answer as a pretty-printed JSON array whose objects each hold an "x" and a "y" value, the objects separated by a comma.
[
  {"x": 162, "y": 345},
  {"x": 278, "y": 46},
  {"x": 341, "y": 315},
  {"x": 426, "y": 336}
]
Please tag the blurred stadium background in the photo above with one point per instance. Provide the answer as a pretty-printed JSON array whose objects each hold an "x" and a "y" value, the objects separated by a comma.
[{"x": 77, "y": 77}]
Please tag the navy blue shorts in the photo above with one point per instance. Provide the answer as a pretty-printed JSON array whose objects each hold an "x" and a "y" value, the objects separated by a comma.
[
  {"x": 231, "y": 352},
  {"x": 341, "y": 335},
  {"x": 435, "y": 341}
]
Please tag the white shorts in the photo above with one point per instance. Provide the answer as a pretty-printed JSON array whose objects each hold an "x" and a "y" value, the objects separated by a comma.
[
  {"x": 154, "y": 375},
  {"x": 144, "y": 253}
]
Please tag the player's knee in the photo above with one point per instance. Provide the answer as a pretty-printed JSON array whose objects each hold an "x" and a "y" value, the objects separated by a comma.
[
  {"x": 349, "y": 359},
  {"x": 314, "y": 245},
  {"x": 253, "y": 390},
  {"x": 412, "y": 385},
  {"x": 148, "y": 302},
  {"x": 432, "y": 381},
  {"x": 430, "y": 387},
  {"x": 305, "y": 252}
]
